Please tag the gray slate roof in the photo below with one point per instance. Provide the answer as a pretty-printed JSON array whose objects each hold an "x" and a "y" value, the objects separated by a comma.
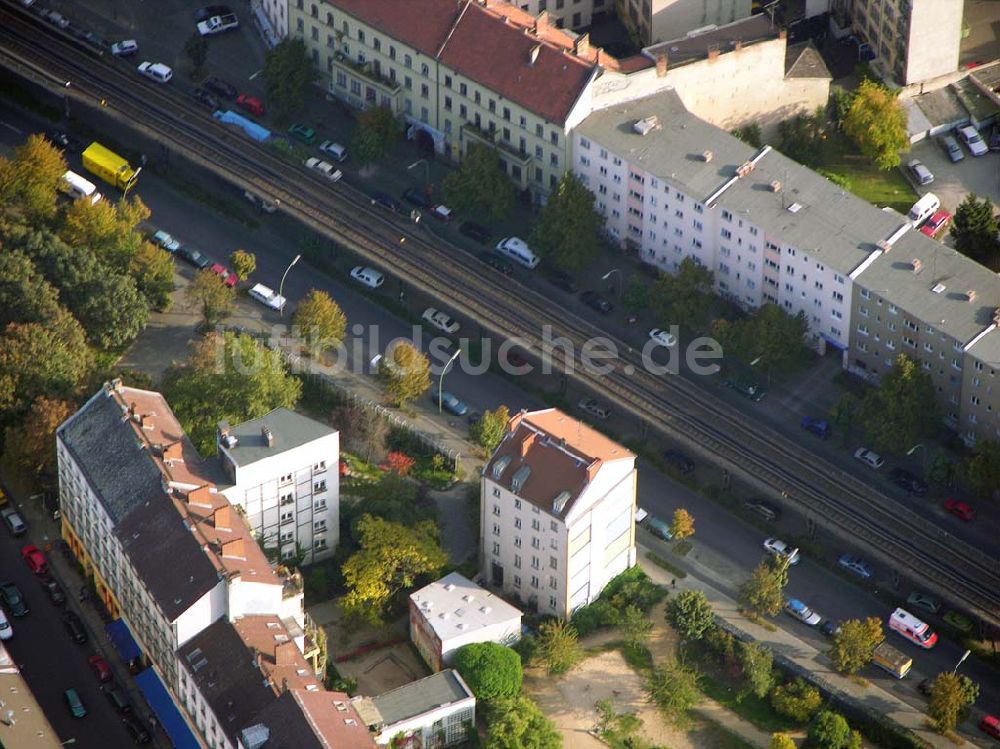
[
  {"x": 804, "y": 61},
  {"x": 691, "y": 48},
  {"x": 418, "y": 697},
  {"x": 284, "y": 724},
  {"x": 289, "y": 429}
]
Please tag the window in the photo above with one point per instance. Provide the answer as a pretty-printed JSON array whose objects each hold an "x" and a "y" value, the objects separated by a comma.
[
  {"x": 517, "y": 542},
  {"x": 496, "y": 491},
  {"x": 534, "y": 581},
  {"x": 553, "y": 563},
  {"x": 496, "y": 510},
  {"x": 517, "y": 504},
  {"x": 447, "y": 103},
  {"x": 424, "y": 70},
  {"x": 535, "y": 543},
  {"x": 496, "y": 548},
  {"x": 517, "y": 522},
  {"x": 425, "y": 90},
  {"x": 407, "y": 61},
  {"x": 287, "y": 516},
  {"x": 287, "y": 499},
  {"x": 286, "y": 479},
  {"x": 287, "y": 536},
  {"x": 553, "y": 582},
  {"x": 535, "y": 563},
  {"x": 496, "y": 529},
  {"x": 553, "y": 603},
  {"x": 517, "y": 581},
  {"x": 517, "y": 561},
  {"x": 553, "y": 525},
  {"x": 535, "y": 525},
  {"x": 319, "y": 525}
]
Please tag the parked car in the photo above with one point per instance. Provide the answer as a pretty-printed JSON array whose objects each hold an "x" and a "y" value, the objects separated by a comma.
[
  {"x": 960, "y": 509},
  {"x": 367, "y": 276},
  {"x": 442, "y": 213},
  {"x": 659, "y": 528},
  {"x": 325, "y": 168},
  {"x": 386, "y": 201},
  {"x": 220, "y": 87},
  {"x": 662, "y": 338},
  {"x": 959, "y": 621},
  {"x": 74, "y": 627},
  {"x": 136, "y": 730},
  {"x": 951, "y": 148},
  {"x": 75, "y": 704},
  {"x": 972, "y": 140},
  {"x": 303, "y": 133},
  {"x": 54, "y": 591},
  {"x": 595, "y": 409},
  {"x": 923, "y": 601},
  {"x": 156, "y": 71},
  {"x": 62, "y": 140},
  {"x": 100, "y": 667},
  {"x": 331, "y": 148},
  {"x": 56, "y": 19},
  {"x": 125, "y": 48},
  {"x": 749, "y": 390},
  {"x": 860, "y": 567},
  {"x": 562, "y": 280},
  {"x": 921, "y": 174},
  {"x": 936, "y": 224},
  {"x": 990, "y": 725},
  {"x": 830, "y": 627},
  {"x": 227, "y": 277},
  {"x": 871, "y": 459},
  {"x": 906, "y": 480},
  {"x": 6, "y": 631},
  {"x": 203, "y": 96},
  {"x": 441, "y": 320},
  {"x": 251, "y": 104},
  {"x": 765, "y": 510},
  {"x": 13, "y": 520},
  {"x": 193, "y": 257},
  {"x": 496, "y": 262},
  {"x": 416, "y": 197},
  {"x": 777, "y": 547},
  {"x": 166, "y": 241},
  {"x": 678, "y": 460},
  {"x": 209, "y": 11},
  {"x": 116, "y": 696},
  {"x": 993, "y": 143},
  {"x": 475, "y": 232},
  {"x": 819, "y": 427},
  {"x": 596, "y": 302},
  {"x": 267, "y": 296},
  {"x": 449, "y": 403},
  {"x": 794, "y": 607},
  {"x": 13, "y": 599},
  {"x": 34, "y": 559}
]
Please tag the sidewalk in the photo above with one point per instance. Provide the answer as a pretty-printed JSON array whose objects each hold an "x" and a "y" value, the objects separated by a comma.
[{"x": 786, "y": 645}]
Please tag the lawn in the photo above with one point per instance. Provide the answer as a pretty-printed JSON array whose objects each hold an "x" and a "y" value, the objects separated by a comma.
[{"x": 879, "y": 188}]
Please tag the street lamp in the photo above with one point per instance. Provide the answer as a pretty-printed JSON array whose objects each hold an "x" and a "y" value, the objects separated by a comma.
[
  {"x": 281, "y": 286},
  {"x": 441, "y": 378},
  {"x": 920, "y": 447},
  {"x": 961, "y": 660},
  {"x": 427, "y": 169},
  {"x": 612, "y": 272}
]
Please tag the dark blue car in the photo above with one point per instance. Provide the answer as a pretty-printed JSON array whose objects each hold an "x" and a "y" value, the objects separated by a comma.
[{"x": 819, "y": 427}]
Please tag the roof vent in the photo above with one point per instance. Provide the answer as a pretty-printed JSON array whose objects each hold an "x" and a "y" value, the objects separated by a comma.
[
  {"x": 917, "y": 265},
  {"x": 938, "y": 288},
  {"x": 520, "y": 476},
  {"x": 775, "y": 185},
  {"x": 559, "y": 503},
  {"x": 970, "y": 295},
  {"x": 268, "y": 435},
  {"x": 500, "y": 466},
  {"x": 883, "y": 244},
  {"x": 255, "y": 737},
  {"x": 230, "y": 441},
  {"x": 485, "y": 609},
  {"x": 450, "y": 587},
  {"x": 468, "y": 598},
  {"x": 707, "y": 156},
  {"x": 794, "y": 207},
  {"x": 444, "y": 615},
  {"x": 534, "y": 54},
  {"x": 647, "y": 125}
]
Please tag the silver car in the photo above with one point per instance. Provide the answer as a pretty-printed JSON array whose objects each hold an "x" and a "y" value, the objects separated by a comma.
[
  {"x": 951, "y": 148},
  {"x": 920, "y": 172}
]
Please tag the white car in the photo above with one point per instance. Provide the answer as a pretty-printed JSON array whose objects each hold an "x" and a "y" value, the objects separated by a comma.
[
  {"x": 6, "y": 631},
  {"x": 367, "y": 276},
  {"x": 780, "y": 549},
  {"x": 662, "y": 337},
  {"x": 157, "y": 71},
  {"x": 125, "y": 48},
  {"x": 972, "y": 140},
  {"x": 440, "y": 320},
  {"x": 871, "y": 459},
  {"x": 325, "y": 168},
  {"x": 795, "y": 607},
  {"x": 267, "y": 297},
  {"x": 331, "y": 148},
  {"x": 592, "y": 407}
]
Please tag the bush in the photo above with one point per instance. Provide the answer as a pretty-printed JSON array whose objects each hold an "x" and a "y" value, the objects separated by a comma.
[
  {"x": 722, "y": 644},
  {"x": 631, "y": 588},
  {"x": 337, "y": 683},
  {"x": 797, "y": 700},
  {"x": 830, "y": 730},
  {"x": 492, "y": 671}
]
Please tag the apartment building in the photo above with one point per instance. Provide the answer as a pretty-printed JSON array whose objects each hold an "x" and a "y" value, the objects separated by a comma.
[
  {"x": 270, "y": 19},
  {"x": 569, "y": 14},
  {"x": 454, "y": 611},
  {"x": 307, "y": 719},
  {"x": 912, "y": 40},
  {"x": 282, "y": 472},
  {"x": 654, "y": 21},
  {"x": 458, "y": 73},
  {"x": 558, "y": 512}
]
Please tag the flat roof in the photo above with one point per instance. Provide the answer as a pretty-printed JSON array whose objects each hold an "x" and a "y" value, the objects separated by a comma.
[
  {"x": 289, "y": 430},
  {"x": 696, "y": 45},
  {"x": 418, "y": 697},
  {"x": 455, "y": 605}
]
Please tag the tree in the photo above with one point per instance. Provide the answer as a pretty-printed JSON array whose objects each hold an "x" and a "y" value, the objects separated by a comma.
[
  {"x": 492, "y": 671},
  {"x": 196, "y": 48},
  {"x": 682, "y": 524},
  {"x": 490, "y": 428},
  {"x": 31, "y": 179},
  {"x": 749, "y": 134},
  {"x": 109, "y": 230},
  {"x": 618, "y": 729},
  {"x": 230, "y": 378},
  {"x": 376, "y": 131},
  {"x": 974, "y": 229},
  {"x": 31, "y": 444},
  {"x": 244, "y": 263},
  {"x": 517, "y": 723},
  {"x": 770, "y": 335},
  {"x": 757, "y": 663},
  {"x": 673, "y": 686},
  {"x": 364, "y": 430},
  {"x": 902, "y": 409},
  {"x": 950, "y": 695},
  {"x": 153, "y": 271},
  {"x": 842, "y": 416},
  {"x": 320, "y": 321},
  {"x": 982, "y": 469},
  {"x": 635, "y": 626},
  {"x": 568, "y": 230},
  {"x": 802, "y": 138},
  {"x": 685, "y": 297},
  {"x": 391, "y": 559},
  {"x": 479, "y": 186},
  {"x": 854, "y": 642},
  {"x": 690, "y": 613},
  {"x": 288, "y": 75},
  {"x": 764, "y": 590},
  {"x": 782, "y": 741},
  {"x": 216, "y": 300},
  {"x": 25, "y": 296},
  {"x": 399, "y": 463},
  {"x": 876, "y": 121},
  {"x": 797, "y": 700},
  {"x": 557, "y": 647},
  {"x": 405, "y": 372},
  {"x": 829, "y": 730}
]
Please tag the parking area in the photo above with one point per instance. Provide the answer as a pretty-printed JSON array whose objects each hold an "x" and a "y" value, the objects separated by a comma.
[
  {"x": 953, "y": 181},
  {"x": 982, "y": 19}
]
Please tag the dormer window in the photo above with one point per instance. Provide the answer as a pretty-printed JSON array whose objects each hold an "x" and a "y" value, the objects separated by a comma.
[
  {"x": 518, "y": 479},
  {"x": 500, "y": 466}
]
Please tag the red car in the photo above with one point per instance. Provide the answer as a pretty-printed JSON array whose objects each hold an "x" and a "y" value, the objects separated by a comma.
[
  {"x": 990, "y": 725},
  {"x": 229, "y": 279},
  {"x": 936, "y": 223},
  {"x": 35, "y": 560},
  {"x": 251, "y": 104},
  {"x": 959, "y": 509},
  {"x": 100, "y": 668}
]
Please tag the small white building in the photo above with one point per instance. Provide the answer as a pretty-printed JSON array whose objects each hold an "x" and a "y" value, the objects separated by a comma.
[
  {"x": 436, "y": 711},
  {"x": 283, "y": 469},
  {"x": 558, "y": 512},
  {"x": 454, "y": 611}
]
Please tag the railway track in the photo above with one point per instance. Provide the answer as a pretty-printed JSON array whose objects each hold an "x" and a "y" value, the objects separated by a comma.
[{"x": 900, "y": 538}]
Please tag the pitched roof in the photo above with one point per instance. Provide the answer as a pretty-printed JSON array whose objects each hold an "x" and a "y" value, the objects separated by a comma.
[
  {"x": 418, "y": 697},
  {"x": 282, "y": 725},
  {"x": 288, "y": 429},
  {"x": 334, "y": 719},
  {"x": 278, "y": 657},
  {"x": 423, "y": 24},
  {"x": 804, "y": 61}
]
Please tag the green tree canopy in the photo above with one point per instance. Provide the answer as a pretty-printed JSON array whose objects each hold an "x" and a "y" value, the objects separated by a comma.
[
  {"x": 690, "y": 613},
  {"x": 320, "y": 320},
  {"x": 763, "y": 591},
  {"x": 244, "y": 263},
  {"x": 229, "y": 378},
  {"x": 829, "y": 730},
  {"x": 363, "y": 431},
  {"x": 557, "y": 648},
  {"x": 982, "y": 469},
  {"x": 568, "y": 231},
  {"x": 757, "y": 663},
  {"x": 30, "y": 181},
  {"x": 25, "y": 295},
  {"x": 854, "y": 643},
  {"x": 517, "y": 723},
  {"x": 405, "y": 373},
  {"x": 491, "y": 670},
  {"x": 797, "y": 700},
  {"x": 391, "y": 559},
  {"x": 196, "y": 48},
  {"x": 902, "y": 409},
  {"x": 876, "y": 121},
  {"x": 802, "y": 138},
  {"x": 31, "y": 443},
  {"x": 673, "y": 686},
  {"x": 479, "y": 186},
  {"x": 288, "y": 75},
  {"x": 216, "y": 300},
  {"x": 685, "y": 297},
  {"x": 490, "y": 428},
  {"x": 109, "y": 230},
  {"x": 950, "y": 695},
  {"x": 782, "y": 741},
  {"x": 635, "y": 626},
  {"x": 770, "y": 335},
  {"x": 974, "y": 229},
  {"x": 153, "y": 271},
  {"x": 374, "y": 135}
]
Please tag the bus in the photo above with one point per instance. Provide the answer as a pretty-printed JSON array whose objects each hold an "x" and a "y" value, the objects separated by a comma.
[
  {"x": 110, "y": 167},
  {"x": 916, "y": 631},
  {"x": 889, "y": 659},
  {"x": 78, "y": 188}
]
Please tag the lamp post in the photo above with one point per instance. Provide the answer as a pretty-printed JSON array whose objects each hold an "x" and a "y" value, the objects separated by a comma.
[
  {"x": 441, "y": 378},
  {"x": 281, "y": 286},
  {"x": 924, "y": 448},
  {"x": 961, "y": 660},
  {"x": 609, "y": 274},
  {"x": 427, "y": 170}
]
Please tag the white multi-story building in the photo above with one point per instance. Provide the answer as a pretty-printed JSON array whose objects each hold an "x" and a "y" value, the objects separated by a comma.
[
  {"x": 454, "y": 611},
  {"x": 283, "y": 469},
  {"x": 270, "y": 18},
  {"x": 558, "y": 512}
]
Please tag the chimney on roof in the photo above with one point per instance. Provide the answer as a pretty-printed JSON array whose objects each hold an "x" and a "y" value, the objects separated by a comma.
[
  {"x": 222, "y": 518},
  {"x": 222, "y": 430},
  {"x": 173, "y": 452},
  {"x": 661, "y": 65},
  {"x": 233, "y": 549},
  {"x": 527, "y": 442},
  {"x": 916, "y": 264},
  {"x": 737, "y": 45},
  {"x": 592, "y": 469},
  {"x": 534, "y": 54},
  {"x": 200, "y": 497},
  {"x": 581, "y": 46},
  {"x": 116, "y": 385},
  {"x": 131, "y": 410},
  {"x": 146, "y": 421},
  {"x": 284, "y": 653},
  {"x": 515, "y": 420},
  {"x": 776, "y": 186},
  {"x": 713, "y": 53},
  {"x": 970, "y": 295},
  {"x": 541, "y": 23},
  {"x": 783, "y": 34},
  {"x": 268, "y": 435}
]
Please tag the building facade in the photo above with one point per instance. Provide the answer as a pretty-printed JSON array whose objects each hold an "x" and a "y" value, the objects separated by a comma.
[
  {"x": 558, "y": 512},
  {"x": 654, "y": 21},
  {"x": 283, "y": 473}
]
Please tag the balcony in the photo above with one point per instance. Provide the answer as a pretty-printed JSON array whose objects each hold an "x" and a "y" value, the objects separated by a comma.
[
  {"x": 367, "y": 71},
  {"x": 512, "y": 154}
]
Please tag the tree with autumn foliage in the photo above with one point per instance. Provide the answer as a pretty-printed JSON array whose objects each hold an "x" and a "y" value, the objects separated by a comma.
[
  {"x": 405, "y": 373},
  {"x": 31, "y": 444},
  {"x": 682, "y": 524},
  {"x": 399, "y": 463},
  {"x": 244, "y": 263},
  {"x": 876, "y": 121},
  {"x": 30, "y": 181},
  {"x": 320, "y": 320}
]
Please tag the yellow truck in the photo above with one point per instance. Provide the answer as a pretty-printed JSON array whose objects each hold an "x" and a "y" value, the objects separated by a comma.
[
  {"x": 110, "y": 167},
  {"x": 889, "y": 659}
]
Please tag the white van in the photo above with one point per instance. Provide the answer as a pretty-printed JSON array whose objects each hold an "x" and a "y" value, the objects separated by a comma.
[
  {"x": 79, "y": 188},
  {"x": 335, "y": 150},
  {"x": 268, "y": 297},
  {"x": 517, "y": 250},
  {"x": 368, "y": 276},
  {"x": 923, "y": 209},
  {"x": 156, "y": 70}
]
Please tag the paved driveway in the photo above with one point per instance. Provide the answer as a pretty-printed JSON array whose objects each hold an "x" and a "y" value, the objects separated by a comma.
[{"x": 952, "y": 182}]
